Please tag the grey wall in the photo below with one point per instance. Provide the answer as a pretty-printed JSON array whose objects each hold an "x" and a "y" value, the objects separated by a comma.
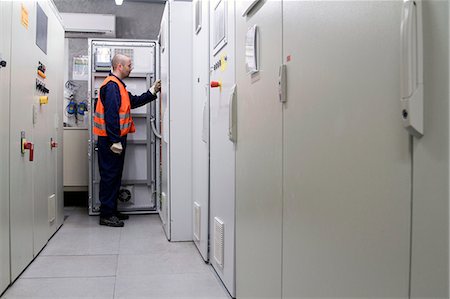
[{"x": 134, "y": 20}]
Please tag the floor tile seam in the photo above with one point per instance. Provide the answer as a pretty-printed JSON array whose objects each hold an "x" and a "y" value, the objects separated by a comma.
[
  {"x": 78, "y": 255},
  {"x": 117, "y": 263},
  {"x": 206, "y": 274},
  {"x": 178, "y": 254},
  {"x": 65, "y": 277}
]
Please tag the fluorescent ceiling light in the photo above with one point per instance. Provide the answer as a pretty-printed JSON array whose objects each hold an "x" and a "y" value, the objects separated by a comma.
[{"x": 119, "y": 2}]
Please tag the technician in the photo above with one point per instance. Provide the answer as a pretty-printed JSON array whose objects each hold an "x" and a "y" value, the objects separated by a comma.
[{"x": 112, "y": 123}]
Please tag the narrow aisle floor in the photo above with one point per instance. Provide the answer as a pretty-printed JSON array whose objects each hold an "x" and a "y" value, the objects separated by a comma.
[{"x": 86, "y": 260}]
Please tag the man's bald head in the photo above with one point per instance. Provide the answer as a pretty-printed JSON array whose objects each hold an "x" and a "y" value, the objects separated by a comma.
[
  {"x": 119, "y": 59},
  {"x": 121, "y": 66}
]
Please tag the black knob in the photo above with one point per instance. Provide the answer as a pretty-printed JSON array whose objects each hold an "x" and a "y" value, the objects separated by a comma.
[{"x": 2, "y": 63}]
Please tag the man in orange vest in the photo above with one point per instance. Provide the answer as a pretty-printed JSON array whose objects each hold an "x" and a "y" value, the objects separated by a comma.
[{"x": 112, "y": 123}]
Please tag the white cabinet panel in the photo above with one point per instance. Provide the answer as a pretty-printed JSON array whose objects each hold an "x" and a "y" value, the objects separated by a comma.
[
  {"x": 34, "y": 181},
  {"x": 259, "y": 156},
  {"x": 222, "y": 149},
  {"x": 200, "y": 130},
  {"x": 23, "y": 74},
  {"x": 76, "y": 157},
  {"x": 44, "y": 130},
  {"x": 176, "y": 119},
  {"x": 5, "y": 48},
  {"x": 347, "y": 163},
  {"x": 430, "y": 235}
]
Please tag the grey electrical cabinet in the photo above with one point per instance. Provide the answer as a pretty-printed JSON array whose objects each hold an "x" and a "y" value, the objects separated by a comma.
[
  {"x": 138, "y": 187},
  {"x": 5, "y": 48},
  {"x": 334, "y": 198},
  {"x": 34, "y": 65}
]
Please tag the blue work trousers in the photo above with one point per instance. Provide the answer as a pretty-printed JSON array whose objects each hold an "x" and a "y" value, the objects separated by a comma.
[{"x": 110, "y": 166}]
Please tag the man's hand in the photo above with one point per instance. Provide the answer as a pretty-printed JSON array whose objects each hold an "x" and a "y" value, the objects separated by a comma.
[
  {"x": 116, "y": 148},
  {"x": 156, "y": 87}
]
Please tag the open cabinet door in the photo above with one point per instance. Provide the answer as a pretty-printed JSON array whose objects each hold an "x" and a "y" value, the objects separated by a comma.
[
  {"x": 163, "y": 202},
  {"x": 176, "y": 121}
]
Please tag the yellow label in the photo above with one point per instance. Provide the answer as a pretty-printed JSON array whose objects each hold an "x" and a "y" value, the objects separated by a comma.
[
  {"x": 223, "y": 63},
  {"x": 24, "y": 16},
  {"x": 43, "y": 100}
]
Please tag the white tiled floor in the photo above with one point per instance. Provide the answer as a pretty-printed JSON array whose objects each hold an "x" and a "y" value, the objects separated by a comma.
[{"x": 85, "y": 260}]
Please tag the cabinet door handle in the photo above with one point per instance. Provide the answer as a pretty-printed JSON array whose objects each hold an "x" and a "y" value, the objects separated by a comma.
[{"x": 232, "y": 126}]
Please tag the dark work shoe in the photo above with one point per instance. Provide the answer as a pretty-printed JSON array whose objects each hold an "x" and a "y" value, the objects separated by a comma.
[
  {"x": 122, "y": 216},
  {"x": 111, "y": 221}
]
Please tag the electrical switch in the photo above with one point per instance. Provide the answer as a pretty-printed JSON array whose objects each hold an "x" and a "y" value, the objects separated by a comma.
[
  {"x": 41, "y": 70},
  {"x": 41, "y": 67},
  {"x": 41, "y": 74},
  {"x": 26, "y": 145},
  {"x": 41, "y": 87},
  {"x": 215, "y": 84},
  {"x": 30, "y": 146},
  {"x": 23, "y": 141},
  {"x": 53, "y": 143}
]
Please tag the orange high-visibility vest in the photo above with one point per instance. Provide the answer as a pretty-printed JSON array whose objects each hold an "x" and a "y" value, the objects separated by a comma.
[{"x": 126, "y": 122}]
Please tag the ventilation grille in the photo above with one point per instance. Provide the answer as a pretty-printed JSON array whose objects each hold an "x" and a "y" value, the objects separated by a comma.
[
  {"x": 125, "y": 51},
  {"x": 52, "y": 208},
  {"x": 218, "y": 241},
  {"x": 197, "y": 219}
]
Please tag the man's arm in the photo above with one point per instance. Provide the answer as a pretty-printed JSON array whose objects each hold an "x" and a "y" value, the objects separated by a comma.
[
  {"x": 111, "y": 101},
  {"x": 150, "y": 95},
  {"x": 138, "y": 101}
]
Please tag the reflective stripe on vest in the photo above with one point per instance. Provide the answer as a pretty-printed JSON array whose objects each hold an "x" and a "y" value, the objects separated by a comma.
[{"x": 126, "y": 124}]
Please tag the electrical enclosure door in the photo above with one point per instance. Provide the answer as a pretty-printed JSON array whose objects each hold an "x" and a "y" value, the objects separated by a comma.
[
  {"x": 55, "y": 70},
  {"x": 42, "y": 163},
  {"x": 200, "y": 119},
  {"x": 259, "y": 153},
  {"x": 222, "y": 149},
  {"x": 346, "y": 156},
  {"x": 45, "y": 130},
  {"x": 176, "y": 120},
  {"x": 138, "y": 189},
  {"x": 23, "y": 74},
  {"x": 5, "y": 48},
  {"x": 164, "y": 210}
]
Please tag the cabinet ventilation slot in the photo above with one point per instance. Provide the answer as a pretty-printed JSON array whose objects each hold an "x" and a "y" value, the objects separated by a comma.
[{"x": 218, "y": 241}]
